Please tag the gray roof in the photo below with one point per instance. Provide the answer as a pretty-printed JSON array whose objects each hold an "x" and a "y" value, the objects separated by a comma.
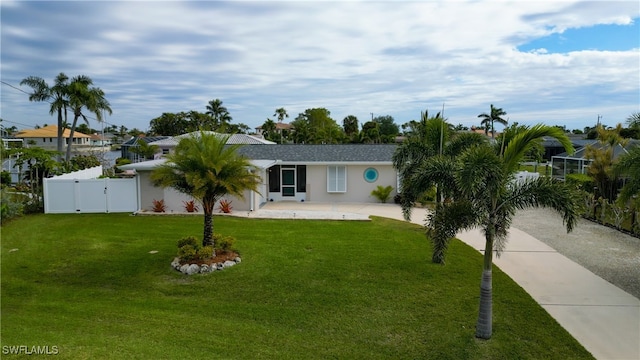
[
  {"x": 302, "y": 153},
  {"x": 148, "y": 139},
  {"x": 233, "y": 139},
  {"x": 617, "y": 150}
]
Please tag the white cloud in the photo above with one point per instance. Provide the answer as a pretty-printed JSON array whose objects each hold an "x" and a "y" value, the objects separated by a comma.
[{"x": 355, "y": 58}]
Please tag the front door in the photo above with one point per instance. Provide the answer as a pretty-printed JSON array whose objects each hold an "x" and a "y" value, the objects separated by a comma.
[{"x": 288, "y": 181}]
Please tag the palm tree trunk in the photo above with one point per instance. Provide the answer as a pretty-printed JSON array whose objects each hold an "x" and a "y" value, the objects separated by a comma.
[
  {"x": 207, "y": 237},
  {"x": 485, "y": 315},
  {"x": 73, "y": 130}
]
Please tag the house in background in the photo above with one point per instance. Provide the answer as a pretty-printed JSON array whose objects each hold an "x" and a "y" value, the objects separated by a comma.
[
  {"x": 293, "y": 172},
  {"x": 100, "y": 140},
  {"x": 577, "y": 163},
  {"x": 126, "y": 147},
  {"x": 46, "y": 137}
]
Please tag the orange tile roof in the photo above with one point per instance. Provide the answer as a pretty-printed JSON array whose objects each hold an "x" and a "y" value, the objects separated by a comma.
[{"x": 48, "y": 131}]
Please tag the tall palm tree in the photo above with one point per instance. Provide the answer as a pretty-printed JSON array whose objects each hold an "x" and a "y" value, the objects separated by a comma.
[
  {"x": 487, "y": 196},
  {"x": 281, "y": 113},
  {"x": 492, "y": 117},
  {"x": 56, "y": 95},
  {"x": 219, "y": 113},
  {"x": 82, "y": 95},
  {"x": 207, "y": 169}
]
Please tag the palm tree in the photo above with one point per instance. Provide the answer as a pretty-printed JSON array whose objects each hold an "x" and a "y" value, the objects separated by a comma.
[
  {"x": 487, "y": 196},
  {"x": 81, "y": 95},
  {"x": 629, "y": 165},
  {"x": 219, "y": 113},
  {"x": 207, "y": 169},
  {"x": 634, "y": 120},
  {"x": 55, "y": 95},
  {"x": 269, "y": 129},
  {"x": 281, "y": 113},
  {"x": 428, "y": 151},
  {"x": 492, "y": 117},
  {"x": 144, "y": 149}
]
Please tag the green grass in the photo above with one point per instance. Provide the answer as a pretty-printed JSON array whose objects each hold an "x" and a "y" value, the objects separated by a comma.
[
  {"x": 543, "y": 169},
  {"x": 305, "y": 290}
]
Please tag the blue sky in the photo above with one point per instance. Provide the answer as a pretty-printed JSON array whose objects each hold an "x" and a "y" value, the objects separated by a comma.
[{"x": 555, "y": 62}]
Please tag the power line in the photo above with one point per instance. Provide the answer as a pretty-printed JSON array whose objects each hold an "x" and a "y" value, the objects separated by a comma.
[{"x": 24, "y": 92}]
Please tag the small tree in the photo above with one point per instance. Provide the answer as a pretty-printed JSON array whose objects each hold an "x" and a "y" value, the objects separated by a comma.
[
  {"x": 382, "y": 193},
  {"x": 207, "y": 169}
]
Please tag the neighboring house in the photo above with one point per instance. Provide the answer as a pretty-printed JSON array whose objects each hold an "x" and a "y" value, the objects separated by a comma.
[
  {"x": 100, "y": 140},
  {"x": 577, "y": 163},
  {"x": 47, "y": 138},
  {"x": 294, "y": 172},
  {"x": 553, "y": 147},
  {"x": 125, "y": 149},
  {"x": 280, "y": 127}
]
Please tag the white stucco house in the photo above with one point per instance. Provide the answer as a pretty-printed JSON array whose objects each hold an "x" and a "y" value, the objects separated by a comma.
[{"x": 292, "y": 172}]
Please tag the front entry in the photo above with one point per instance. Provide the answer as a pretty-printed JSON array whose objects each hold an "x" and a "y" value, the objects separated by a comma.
[{"x": 287, "y": 182}]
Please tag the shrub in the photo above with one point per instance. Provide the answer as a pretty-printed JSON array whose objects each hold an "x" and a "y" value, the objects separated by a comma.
[
  {"x": 427, "y": 196},
  {"x": 190, "y": 206},
  {"x": 225, "y": 206},
  {"x": 382, "y": 193},
  {"x": 189, "y": 240},
  {"x": 5, "y": 178},
  {"x": 159, "y": 206},
  {"x": 187, "y": 253},
  {"x": 190, "y": 250},
  {"x": 11, "y": 205},
  {"x": 580, "y": 181},
  {"x": 223, "y": 243},
  {"x": 205, "y": 252}
]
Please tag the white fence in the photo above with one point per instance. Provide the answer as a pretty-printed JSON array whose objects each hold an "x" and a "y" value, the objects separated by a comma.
[{"x": 81, "y": 192}]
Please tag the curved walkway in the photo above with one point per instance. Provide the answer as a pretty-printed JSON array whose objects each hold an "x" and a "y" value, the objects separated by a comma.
[{"x": 602, "y": 317}]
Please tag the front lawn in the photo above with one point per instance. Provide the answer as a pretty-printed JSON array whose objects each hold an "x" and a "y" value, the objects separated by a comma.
[{"x": 306, "y": 289}]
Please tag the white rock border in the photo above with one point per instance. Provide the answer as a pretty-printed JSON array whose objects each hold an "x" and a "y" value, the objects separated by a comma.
[{"x": 190, "y": 269}]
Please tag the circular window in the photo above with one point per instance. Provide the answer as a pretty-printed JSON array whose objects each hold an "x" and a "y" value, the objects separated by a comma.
[{"x": 371, "y": 175}]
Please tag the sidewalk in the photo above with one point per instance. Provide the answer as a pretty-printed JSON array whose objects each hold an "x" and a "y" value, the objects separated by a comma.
[{"x": 603, "y": 318}]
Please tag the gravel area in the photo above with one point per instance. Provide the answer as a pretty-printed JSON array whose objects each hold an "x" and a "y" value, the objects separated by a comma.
[{"x": 608, "y": 253}]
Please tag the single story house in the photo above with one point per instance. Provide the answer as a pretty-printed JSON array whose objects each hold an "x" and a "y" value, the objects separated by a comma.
[
  {"x": 577, "y": 163},
  {"x": 294, "y": 172}
]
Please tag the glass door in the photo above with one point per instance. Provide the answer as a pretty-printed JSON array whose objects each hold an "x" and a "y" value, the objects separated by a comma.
[{"x": 288, "y": 181}]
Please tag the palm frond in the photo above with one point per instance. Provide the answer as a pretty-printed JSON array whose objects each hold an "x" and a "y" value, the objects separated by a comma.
[{"x": 522, "y": 142}]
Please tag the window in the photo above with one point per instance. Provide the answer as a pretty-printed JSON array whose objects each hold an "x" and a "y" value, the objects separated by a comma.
[
  {"x": 301, "y": 181},
  {"x": 336, "y": 178},
  {"x": 274, "y": 178}
]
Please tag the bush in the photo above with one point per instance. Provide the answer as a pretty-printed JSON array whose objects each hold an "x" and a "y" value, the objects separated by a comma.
[
  {"x": 382, "y": 193},
  {"x": 5, "y": 178},
  {"x": 223, "y": 243},
  {"x": 205, "y": 252},
  {"x": 190, "y": 250},
  {"x": 189, "y": 240},
  {"x": 11, "y": 205},
  {"x": 159, "y": 206},
  {"x": 582, "y": 182},
  {"x": 190, "y": 206},
  {"x": 225, "y": 206},
  {"x": 428, "y": 196},
  {"x": 187, "y": 253}
]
